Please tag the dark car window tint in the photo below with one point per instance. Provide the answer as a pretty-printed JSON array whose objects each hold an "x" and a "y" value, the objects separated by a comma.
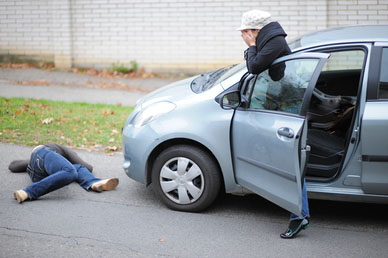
[
  {"x": 282, "y": 87},
  {"x": 383, "y": 92},
  {"x": 341, "y": 73}
]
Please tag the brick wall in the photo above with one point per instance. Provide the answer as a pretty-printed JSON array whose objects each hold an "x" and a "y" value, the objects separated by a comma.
[
  {"x": 161, "y": 35},
  {"x": 26, "y": 28}
]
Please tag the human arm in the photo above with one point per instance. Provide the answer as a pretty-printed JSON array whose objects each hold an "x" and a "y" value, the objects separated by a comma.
[
  {"x": 73, "y": 157},
  {"x": 259, "y": 61},
  {"x": 18, "y": 166},
  {"x": 70, "y": 155}
]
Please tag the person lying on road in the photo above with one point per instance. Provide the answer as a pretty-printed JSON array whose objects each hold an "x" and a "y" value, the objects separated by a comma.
[{"x": 53, "y": 166}]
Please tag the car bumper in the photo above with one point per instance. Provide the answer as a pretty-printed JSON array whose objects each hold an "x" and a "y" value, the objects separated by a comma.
[{"x": 137, "y": 145}]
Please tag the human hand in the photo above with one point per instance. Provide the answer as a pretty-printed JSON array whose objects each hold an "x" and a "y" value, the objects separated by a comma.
[{"x": 249, "y": 37}]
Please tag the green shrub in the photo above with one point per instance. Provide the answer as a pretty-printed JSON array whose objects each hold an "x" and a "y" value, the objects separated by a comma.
[{"x": 123, "y": 69}]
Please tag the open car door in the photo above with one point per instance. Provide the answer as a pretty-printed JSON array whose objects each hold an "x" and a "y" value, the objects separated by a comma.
[{"x": 269, "y": 129}]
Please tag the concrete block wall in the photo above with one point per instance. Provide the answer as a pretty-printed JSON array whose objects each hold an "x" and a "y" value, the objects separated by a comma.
[
  {"x": 349, "y": 12},
  {"x": 26, "y": 28},
  {"x": 161, "y": 35}
]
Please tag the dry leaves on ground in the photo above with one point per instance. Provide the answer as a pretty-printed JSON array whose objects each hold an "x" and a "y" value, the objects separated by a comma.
[
  {"x": 141, "y": 73},
  {"x": 115, "y": 85},
  {"x": 112, "y": 148},
  {"x": 34, "y": 83},
  {"x": 40, "y": 65}
]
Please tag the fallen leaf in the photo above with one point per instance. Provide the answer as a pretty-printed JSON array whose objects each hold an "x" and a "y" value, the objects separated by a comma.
[
  {"x": 47, "y": 120},
  {"x": 91, "y": 72},
  {"x": 115, "y": 132},
  {"x": 111, "y": 140},
  {"x": 112, "y": 148},
  {"x": 105, "y": 112},
  {"x": 44, "y": 106},
  {"x": 34, "y": 83},
  {"x": 18, "y": 111}
]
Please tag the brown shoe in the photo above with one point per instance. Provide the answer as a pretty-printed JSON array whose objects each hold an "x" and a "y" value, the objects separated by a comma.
[
  {"x": 105, "y": 185},
  {"x": 20, "y": 196}
]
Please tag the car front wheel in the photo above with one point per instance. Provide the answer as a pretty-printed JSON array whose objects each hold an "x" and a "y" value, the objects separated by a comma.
[{"x": 186, "y": 178}]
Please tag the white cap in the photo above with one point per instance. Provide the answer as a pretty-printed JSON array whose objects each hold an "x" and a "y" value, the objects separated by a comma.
[{"x": 254, "y": 20}]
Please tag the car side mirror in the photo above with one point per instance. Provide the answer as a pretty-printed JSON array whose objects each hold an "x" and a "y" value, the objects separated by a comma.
[{"x": 230, "y": 100}]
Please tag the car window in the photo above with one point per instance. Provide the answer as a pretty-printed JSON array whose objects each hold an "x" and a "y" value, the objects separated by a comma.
[
  {"x": 383, "y": 85},
  {"x": 282, "y": 87},
  {"x": 345, "y": 60},
  {"x": 341, "y": 73}
]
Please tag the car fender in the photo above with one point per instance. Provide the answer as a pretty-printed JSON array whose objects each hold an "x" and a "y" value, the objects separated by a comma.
[{"x": 215, "y": 137}]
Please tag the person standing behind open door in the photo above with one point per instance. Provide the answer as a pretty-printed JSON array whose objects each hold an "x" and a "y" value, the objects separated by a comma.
[{"x": 266, "y": 42}]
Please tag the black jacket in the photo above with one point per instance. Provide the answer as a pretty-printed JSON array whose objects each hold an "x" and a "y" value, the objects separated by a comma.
[
  {"x": 270, "y": 44},
  {"x": 70, "y": 155}
]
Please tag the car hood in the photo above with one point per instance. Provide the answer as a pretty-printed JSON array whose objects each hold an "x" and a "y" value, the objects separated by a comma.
[{"x": 172, "y": 92}]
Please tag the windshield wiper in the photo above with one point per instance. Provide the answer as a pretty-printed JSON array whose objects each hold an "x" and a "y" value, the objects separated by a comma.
[{"x": 206, "y": 80}]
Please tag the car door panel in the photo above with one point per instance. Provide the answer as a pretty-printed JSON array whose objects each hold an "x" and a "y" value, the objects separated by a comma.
[
  {"x": 374, "y": 148},
  {"x": 258, "y": 161},
  {"x": 374, "y": 133},
  {"x": 269, "y": 136}
]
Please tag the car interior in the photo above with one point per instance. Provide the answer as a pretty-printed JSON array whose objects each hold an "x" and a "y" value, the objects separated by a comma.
[{"x": 330, "y": 116}]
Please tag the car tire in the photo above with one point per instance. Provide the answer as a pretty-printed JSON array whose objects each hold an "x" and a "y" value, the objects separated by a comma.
[{"x": 186, "y": 178}]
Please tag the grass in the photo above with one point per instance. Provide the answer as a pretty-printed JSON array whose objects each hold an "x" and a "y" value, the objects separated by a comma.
[
  {"x": 32, "y": 122},
  {"x": 123, "y": 69}
]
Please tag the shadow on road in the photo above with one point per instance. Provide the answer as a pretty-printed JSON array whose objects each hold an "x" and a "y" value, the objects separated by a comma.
[{"x": 331, "y": 214}]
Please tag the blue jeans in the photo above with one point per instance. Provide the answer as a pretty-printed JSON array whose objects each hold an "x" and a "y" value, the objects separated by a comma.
[
  {"x": 305, "y": 205},
  {"x": 50, "y": 171}
]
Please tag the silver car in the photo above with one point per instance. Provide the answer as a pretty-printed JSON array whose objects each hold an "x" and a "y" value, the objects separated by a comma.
[{"x": 320, "y": 113}]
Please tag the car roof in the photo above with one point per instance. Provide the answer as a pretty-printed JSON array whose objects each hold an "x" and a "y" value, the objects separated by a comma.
[{"x": 348, "y": 34}]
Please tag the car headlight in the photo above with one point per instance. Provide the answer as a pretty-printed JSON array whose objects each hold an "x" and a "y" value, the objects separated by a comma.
[{"x": 152, "y": 112}]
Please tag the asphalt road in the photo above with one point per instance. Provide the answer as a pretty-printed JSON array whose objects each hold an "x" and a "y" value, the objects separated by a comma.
[{"x": 131, "y": 222}]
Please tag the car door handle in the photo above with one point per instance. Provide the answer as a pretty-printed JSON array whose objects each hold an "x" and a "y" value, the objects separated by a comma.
[{"x": 287, "y": 132}]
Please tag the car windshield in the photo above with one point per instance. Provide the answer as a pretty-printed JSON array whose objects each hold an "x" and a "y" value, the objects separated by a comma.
[
  {"x": 295, "y": 44},
  {"x": 206, "y": 81}
]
